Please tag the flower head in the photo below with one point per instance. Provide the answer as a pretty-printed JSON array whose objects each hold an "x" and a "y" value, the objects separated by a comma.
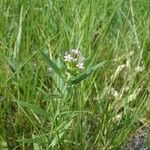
[{"x": 75, "y": 59}]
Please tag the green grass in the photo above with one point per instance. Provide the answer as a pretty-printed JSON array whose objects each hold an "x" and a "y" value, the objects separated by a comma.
[{"x": 100, "y": 107}]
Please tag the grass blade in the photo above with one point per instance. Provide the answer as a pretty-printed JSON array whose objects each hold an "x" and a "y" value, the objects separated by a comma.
[
  {"x": 55, "y": 140},
  {"x": 18, "y": 40},
  {"x": 33, "y": 108},
  {"x": 48, "y": 96}
]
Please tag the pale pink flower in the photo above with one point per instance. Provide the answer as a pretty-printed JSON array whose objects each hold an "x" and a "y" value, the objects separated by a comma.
[
  {"x": 80, "y": 65},
  {"x": 68, "y": 57},
  {"x": 76, "y": 51}
]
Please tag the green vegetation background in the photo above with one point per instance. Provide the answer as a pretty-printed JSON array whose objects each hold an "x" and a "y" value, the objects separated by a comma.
[{"x": 41, "y": 107}]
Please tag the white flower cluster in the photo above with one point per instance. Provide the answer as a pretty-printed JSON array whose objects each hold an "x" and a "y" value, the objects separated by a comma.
[{"x": 75, "y": 56}]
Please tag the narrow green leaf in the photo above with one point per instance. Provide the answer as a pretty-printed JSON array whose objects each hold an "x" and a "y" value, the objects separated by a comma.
[
  {"x": 33, "y": 108},
  {"x": 52, "y": 96},
  {"x": 59, "y": 81},
  {"x": 49, "y": 95},
  {"x": 85, "y": 74},
  {"x": 36, "y": 147},
  {"x": 55, "y": 140},
  {"x": 12, "y": 64},
  {"x": 51, "y": 64},
  {"x": 18, "y": 40},
  {"x": 33, "y": 140}
]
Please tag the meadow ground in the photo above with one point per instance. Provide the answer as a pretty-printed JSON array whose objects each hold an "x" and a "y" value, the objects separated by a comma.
[{"x": 74, "y": 74}]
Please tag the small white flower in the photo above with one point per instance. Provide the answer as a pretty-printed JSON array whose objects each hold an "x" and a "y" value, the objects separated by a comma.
[
  {"x": 68, "y": 57},
  {"x": 80, "y": 65},
  {"x": 76, "y": 51}
]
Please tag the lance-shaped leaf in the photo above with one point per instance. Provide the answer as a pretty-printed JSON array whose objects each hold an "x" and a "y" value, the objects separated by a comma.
[
  {"x": 34, "y": 108},
  {"x": 85, "y": 74},
  {"x": 51, "y": 64}
]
